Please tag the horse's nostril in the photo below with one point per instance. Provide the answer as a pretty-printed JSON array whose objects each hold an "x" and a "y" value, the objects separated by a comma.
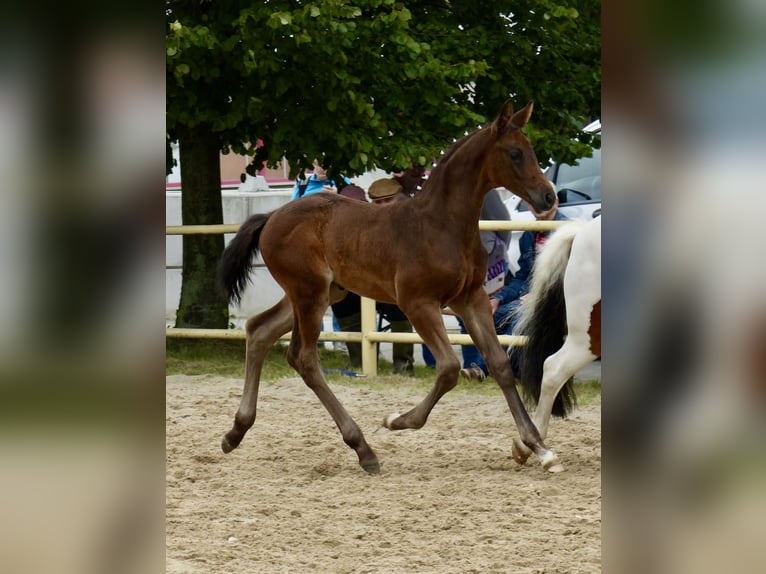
[{"x": 550, "y": 199}]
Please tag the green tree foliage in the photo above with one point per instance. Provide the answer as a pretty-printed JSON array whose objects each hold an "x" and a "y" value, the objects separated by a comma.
[
  {"x": 546, "y": 51},
  {"x": 372, "y": 83}
]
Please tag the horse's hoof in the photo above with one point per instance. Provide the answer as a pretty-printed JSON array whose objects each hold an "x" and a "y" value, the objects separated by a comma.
[
  {"x": 226, "y": 446},
  {"x": 557, "y": 467},
  {"x": 520, "y": 452},
  {"x": 388, "y": 421},
  {"x": 370, "y": 466},
  {"x": 551, "y": 462}
]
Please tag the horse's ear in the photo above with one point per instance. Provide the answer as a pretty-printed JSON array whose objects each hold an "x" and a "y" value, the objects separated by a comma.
[
  {"x": 507, "y": 120},
  {"x": 503, "y": 121},
  {"x": 520, "y": 118}
]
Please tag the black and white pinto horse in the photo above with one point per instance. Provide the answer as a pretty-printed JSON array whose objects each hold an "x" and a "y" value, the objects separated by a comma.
[{"x": 561, "y": 316}]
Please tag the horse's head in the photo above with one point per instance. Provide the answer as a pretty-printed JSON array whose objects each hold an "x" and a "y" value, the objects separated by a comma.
[{"x": 513, "y": 163}]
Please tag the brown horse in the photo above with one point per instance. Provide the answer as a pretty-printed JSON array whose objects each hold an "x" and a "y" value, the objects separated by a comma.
[{"x": 420, "y": 254}]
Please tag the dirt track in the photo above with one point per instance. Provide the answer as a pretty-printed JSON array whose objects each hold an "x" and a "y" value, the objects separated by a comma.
[{"x": 449, "y": 498}]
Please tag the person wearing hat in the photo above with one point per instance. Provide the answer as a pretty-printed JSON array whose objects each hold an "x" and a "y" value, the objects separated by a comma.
[
  {"x": 388, "y": 190},
  {"x": 385, "y": 190},
  {"x": 506, "y": 301},
  {"x": 348, "y": 311}
]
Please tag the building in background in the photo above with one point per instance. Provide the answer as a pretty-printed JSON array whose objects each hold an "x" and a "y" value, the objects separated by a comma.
[{"x": 232, "y": 168}]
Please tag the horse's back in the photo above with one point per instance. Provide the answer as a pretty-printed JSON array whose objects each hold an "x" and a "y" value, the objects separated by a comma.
[
  {"x": 329, "y": 238},
  {"x": 298, "y": 224},
  {"x": 374, "y": 250}
]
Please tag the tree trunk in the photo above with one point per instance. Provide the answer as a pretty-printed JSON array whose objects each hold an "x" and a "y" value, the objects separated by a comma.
[{"x": 202, "y": 304}]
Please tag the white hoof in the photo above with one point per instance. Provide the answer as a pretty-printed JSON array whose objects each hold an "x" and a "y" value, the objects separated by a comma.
[
  {"x": 551, "y": 462},
  {"x": 390, "y": 419}
]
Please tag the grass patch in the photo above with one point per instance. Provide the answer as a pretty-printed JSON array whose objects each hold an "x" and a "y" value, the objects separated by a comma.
[
  {"x": 588, "y": 392},
  {"x": 226, "y": 358},
  {"x": 204, "y": 356}
]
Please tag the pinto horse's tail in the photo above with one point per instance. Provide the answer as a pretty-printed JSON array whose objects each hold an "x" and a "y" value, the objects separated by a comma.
[
  {"x": 542, "y": 318},
  {"x": 237, "y": 259}
]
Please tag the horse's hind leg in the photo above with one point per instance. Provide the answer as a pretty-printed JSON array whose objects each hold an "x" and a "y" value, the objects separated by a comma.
[
  {"x": 304, "y": 358},
  {"x": 263, "y": 330},
  {"x": 557, "y": 370}
]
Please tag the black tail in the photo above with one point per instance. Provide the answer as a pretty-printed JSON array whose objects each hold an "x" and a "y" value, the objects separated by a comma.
[
  {"x": 543, "y": 320},
  {"x": 545, "y": 332},
  {"x": 237, "y": 259}
]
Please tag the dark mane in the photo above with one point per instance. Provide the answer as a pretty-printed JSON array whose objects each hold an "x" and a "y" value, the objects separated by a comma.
[{"x": 451, "y": 156}]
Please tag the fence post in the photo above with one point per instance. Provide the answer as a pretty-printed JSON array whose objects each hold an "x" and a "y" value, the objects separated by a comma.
[{"x": 369, "y": 348}]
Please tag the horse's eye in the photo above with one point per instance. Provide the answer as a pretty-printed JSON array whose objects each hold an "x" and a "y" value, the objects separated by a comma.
[{"x": 515, "y": 154}]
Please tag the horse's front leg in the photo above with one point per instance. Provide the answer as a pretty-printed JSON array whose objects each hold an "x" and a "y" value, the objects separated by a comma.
[
  {"x": 263, "y": 330},
  {"x": 428, "y": 322},
  {"x": 476, "y": 315}
]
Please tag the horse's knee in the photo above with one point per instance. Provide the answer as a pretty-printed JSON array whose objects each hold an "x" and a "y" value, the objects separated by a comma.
[
  {"x": 449, "y": 364},
  {"x": 306, "y": 362},
  {"x": 252, "y": 324},
  {"x": 447, "y": 371},
  {"x": 500, "y": 369},
  {"x": 292, "y": 358}
]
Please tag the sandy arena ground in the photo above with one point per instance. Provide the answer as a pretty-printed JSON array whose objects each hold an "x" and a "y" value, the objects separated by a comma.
[{"x": 449, "y": 499}]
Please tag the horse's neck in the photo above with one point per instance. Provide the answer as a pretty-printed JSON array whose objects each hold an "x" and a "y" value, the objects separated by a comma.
[{"x": 457, "y": 186}]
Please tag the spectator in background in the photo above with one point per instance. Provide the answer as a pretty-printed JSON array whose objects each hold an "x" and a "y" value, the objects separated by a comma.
[
  {"x": 251, "y": 181},
  {"x": 496, "y": 244},
  {"x": 505, "y": 302},
  {"x": 317, "y": 182},
  {"x": 348, "y": 311},
  {"x": 386, "y": 190},
  {"x": 383, "y": 191}
]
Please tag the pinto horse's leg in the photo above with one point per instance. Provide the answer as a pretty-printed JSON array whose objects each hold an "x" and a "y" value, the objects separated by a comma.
[
  {"x": 478, "y": 321},
  {"x": 304, "y": 358},
  {"x": 262, "y": 330},
  {"x": 557, "y": 370},
  {"x": 427, "y": 320}
]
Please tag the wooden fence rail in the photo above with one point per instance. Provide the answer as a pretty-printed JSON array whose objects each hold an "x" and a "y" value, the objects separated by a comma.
[{"x": 369, "y": 335}]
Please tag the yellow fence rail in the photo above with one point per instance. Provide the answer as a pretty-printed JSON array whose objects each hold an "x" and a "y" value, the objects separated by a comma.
[{"x": 369, "y": 335}]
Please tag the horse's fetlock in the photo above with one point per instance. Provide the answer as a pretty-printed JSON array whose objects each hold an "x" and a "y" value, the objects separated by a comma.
[
  {"x": 352, "y": 437},
  {"x": 243, "y": 422}
]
